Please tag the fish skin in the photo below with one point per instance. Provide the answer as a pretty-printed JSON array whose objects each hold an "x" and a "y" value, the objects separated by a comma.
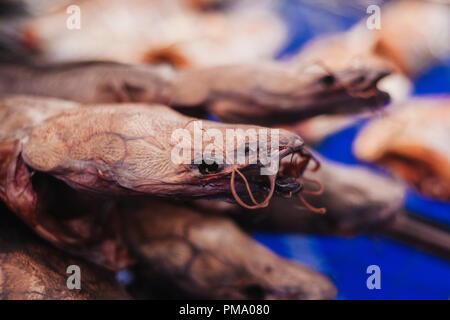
[
  {"x": 186, "y": 252},
  {"x": 32, "y": 270},
  {"x": 265, "y": 94},
  {"x": 60, "y": 160}
]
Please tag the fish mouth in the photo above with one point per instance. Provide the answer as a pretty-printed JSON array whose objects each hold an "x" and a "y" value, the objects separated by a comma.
[
  {"x": 282, "y": 183},
  {"x": 350, "y": 91},
  {"x": 343, "y": 92},
  {"x": 287, "y": 182},
  {"x": 260, "y": 185},
  {"x": 287, "y": 185},
  {"x": 251, "y": 188},
  {"x": 365, "y": 87}
]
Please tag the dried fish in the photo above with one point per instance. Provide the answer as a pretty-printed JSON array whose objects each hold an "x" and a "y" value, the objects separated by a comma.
[
  {"x": 31, "y": 270},
  {"x": 358, "y": 200},
  {"x": 53, "y": 150},
  {"x": 169, "y": 32},
  {"x": 412, "y": 141},
  {"x": 257, "y": 94},
  {"x": 186, "y": 253},
  {"x": 402, "y": 45},
  {"x": 430, "y": 40}
]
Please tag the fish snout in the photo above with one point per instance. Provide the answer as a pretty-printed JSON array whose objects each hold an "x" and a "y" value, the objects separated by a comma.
[{"x": 290, "y": 143}]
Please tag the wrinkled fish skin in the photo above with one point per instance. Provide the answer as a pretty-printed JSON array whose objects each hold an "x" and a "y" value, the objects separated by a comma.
[
  {"x": 412, "y": 141},
  {"x": 265, "y": 94},
  {"x": 60, "y": 159},
  {"x": 32, "y": 270},
  {"x": 188, "y": 253}
]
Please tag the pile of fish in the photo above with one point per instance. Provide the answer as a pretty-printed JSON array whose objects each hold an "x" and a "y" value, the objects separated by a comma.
[{"x": 86, "y": 125}]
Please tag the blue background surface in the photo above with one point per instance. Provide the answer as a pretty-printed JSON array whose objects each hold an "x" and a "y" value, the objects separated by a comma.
[{"x": 406, "y": 273}]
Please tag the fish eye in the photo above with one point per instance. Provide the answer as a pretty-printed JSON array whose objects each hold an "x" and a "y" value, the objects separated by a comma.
[
  {"x": 328, "y": 80},
  {"x": 209, "y": 167},
  {"x": 361, "y": 78}
]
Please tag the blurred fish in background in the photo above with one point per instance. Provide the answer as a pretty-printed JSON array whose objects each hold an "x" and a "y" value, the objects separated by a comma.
[
  {"x": 414, "y": 39},
  {"x": 180, "y": 33}
]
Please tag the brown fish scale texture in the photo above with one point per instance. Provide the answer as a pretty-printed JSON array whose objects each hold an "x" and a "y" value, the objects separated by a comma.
[
  {"x": 103, "y": 135},
  {"x": 30, "y": 269}
]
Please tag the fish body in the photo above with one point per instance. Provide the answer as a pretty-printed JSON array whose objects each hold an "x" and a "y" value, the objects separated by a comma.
[
  {"x": 265, "y": 94},
  {"x": 53, "y": 150},
  {"x": 412, "y": 141}
]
